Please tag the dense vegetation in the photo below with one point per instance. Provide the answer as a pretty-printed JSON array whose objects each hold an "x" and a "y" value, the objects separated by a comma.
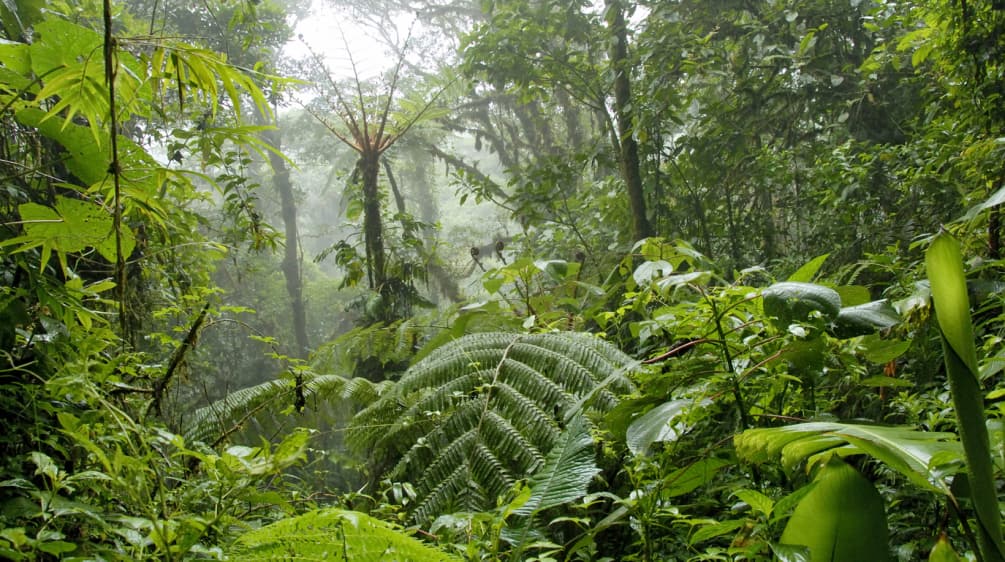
[{"x": 643, "y": 280}]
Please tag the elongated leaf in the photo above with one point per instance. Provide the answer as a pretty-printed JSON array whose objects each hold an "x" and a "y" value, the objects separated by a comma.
[
  {"x": 908, "y": 451},
  {"x": 687, "y": 479},
  {"x": 944, "y": 264},
  {"x": 996, "y": 198},
  {"x": 805, "y": 273}
]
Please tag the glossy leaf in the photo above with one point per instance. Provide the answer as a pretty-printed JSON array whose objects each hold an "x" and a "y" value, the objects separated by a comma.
[
  {"x": 925, "y": 458},
  {"x": 943, "y": 551},
  {"x": 866, "y": 318},
  {"x": 944, "y": 265},
  {"x": 842, "y": 519},
  {"x": 790, "y": 302},
  {"x": 806, "y": 273}
]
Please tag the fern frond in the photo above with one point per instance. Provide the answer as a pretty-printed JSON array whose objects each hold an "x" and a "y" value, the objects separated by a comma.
[
  {"x": 269, "y": 399},
  {"x": 332, "y": 534},
  {"x": 479, "y": 413},
  {"x": 564, "y": 477},
  {"x": 220, "y": 416}
]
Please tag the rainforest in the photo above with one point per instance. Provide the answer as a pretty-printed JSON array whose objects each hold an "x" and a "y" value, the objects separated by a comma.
[{"x": 543, "y": 280}]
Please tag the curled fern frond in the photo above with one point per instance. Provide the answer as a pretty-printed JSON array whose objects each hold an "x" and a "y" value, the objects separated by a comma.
[{"x": 478, "y": 414}]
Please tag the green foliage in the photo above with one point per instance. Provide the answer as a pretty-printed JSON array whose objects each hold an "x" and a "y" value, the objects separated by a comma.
[
  {"x": 841, "y": 518},
  {"x": 944, "y": 265},
  {"x": 70, "y": 227},
  {"x": 768, "y": 133},
  {"x": 926, "y": 458},
  {"x": 485, "y": 410},
  {"x": 106, "y": 486},
  {"x": 332, "y": 534},
  {"x": 794, "y": 302},
  {"x": 213, "y": 423},
  {"x": 566, "y": 472}
]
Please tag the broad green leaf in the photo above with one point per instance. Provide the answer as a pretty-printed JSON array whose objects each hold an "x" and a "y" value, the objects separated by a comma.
[
  {"x": 649, "y": 270},
  {"x": 853, "y": 295},
  {"x": 757, "y": 501},
  {"x": 865, "y": 319},
  {"x": 791, "y": 553},
  {"x": 687, "y": 479},
  {"x": 681, "y": 279},
  {"x": 842, "y": 519},
  {"x": 72, "y": 226},
  {"x": 716, "y": 529},
  {"x": 790, "y": 302},
  {"x": 943, "y": 551},
  {"x": 56, "y": 548},
  {"x": 44, "y": 465},
  {"x": 909, "y": 452},
  {"x": 881, "y": 351}
]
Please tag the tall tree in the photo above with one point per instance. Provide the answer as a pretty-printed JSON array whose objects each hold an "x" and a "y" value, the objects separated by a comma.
[
  {"x": 365, "y": 123},
  {"x": 628, "y": 146}
]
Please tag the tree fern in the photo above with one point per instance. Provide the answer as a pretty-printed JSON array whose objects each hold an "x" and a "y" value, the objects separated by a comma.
[
  {"x": 483, "y": 411},
  {"x": 332, "y": 534}
]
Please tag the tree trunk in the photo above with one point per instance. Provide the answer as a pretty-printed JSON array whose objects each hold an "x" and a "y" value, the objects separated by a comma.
[
  {"x": 373, "y": 229},
  {"x": 291, "y": 258},
  {"x": 629, "y": 148}
]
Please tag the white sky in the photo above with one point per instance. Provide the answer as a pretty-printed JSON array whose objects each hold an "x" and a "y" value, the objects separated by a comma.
[{"x": 336, "y": 37}]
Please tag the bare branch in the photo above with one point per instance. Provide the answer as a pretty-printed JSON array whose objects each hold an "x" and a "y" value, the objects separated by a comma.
[
  {"x": 346, "y": 113},
  {"x": 365, "y": 140},
  {"x": 393, "y": 86}
]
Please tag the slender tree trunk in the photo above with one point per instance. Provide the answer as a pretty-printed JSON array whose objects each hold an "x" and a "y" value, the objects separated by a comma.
[
  {"x": 573, "y": 127},
  {"x": 291, "y": 258},
  {"x": 373, "y": 228},
  {"x": 629, "y": 153}
]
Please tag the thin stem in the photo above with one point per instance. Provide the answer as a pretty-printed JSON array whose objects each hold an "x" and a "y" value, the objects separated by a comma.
[{"x": 111, "y": 70}]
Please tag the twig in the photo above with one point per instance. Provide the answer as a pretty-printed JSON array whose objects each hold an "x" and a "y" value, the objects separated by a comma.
[{"x": 179, "y": 354}]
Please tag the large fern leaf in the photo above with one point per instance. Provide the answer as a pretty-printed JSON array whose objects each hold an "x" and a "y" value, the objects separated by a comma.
[
  {"x": 332, "y": 534},
  {"x": 485, "y": 410},
  {"x": 269, "y": 398}
]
